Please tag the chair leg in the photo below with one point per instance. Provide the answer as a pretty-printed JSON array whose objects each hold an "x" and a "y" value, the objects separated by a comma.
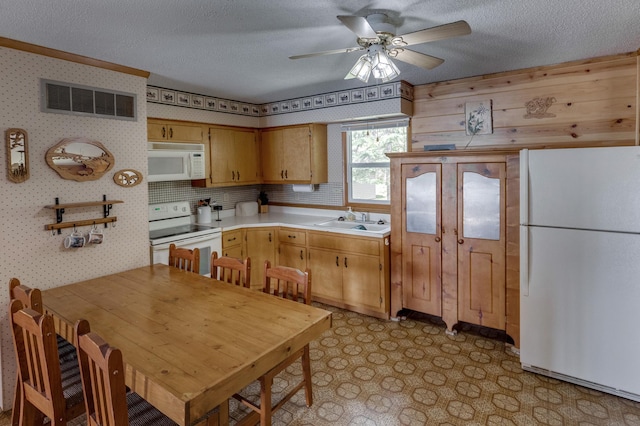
[
  {"x": 16, "y": 414},
  {"x": 30, "y": 415},
  {"x": 306, "y": 374},
  {"x": 265, "y": 400}
]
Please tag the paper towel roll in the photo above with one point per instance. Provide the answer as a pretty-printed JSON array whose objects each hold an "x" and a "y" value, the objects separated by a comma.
[
  {"x": 303, "y": 188},
  {"x": 246, "y": 208}
]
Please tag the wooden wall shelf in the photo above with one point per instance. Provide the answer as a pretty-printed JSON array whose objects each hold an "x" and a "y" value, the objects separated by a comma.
[
  {"x": 86, "y": 222},
  {"x": 107, "y": 205},
  {"x": 85, "y": 204}
]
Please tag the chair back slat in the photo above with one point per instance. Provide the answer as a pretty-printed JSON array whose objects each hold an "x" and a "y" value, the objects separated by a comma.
[
  {"x": 287, "y": 282},
  {"x": 231, "y": 270},
  {"x": 185, "y": 259}
]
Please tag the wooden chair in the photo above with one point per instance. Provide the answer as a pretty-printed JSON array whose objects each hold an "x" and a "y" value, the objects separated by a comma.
[
  {"x": 32, "y": 298},
  {"x": 231, "y": 270},
  {"x": 106, "y": 399},
  {"x": 45, "y": 391},
  {"x": 185, "y": 259},
  {"x": 293, "y": 284}
]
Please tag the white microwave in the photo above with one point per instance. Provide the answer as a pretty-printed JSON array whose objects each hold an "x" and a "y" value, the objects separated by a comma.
[{"x": 175, "y": 161}]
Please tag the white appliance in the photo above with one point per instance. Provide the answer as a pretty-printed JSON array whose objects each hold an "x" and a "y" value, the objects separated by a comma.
[
  {"x": 580, "y": 266},
  {"x": 171, "y": 223},
  {"x": 175, "y": 161}
]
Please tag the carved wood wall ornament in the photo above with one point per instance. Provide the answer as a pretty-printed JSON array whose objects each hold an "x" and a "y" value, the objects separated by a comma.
[
  {"x": 17, "y": 155},
  {"x": 80, "y": 159},
  {"x": 537, "y": 107},
  {"x": 127, "y": 177}
]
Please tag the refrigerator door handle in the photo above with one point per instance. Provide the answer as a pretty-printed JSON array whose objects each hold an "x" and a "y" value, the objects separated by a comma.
[
  {"x": 524, "y": 261},
  {"x": 524, "y": 187}
]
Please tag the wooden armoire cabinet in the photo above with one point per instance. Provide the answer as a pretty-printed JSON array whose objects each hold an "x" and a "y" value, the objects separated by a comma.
[{"x": 455, "y": 231}]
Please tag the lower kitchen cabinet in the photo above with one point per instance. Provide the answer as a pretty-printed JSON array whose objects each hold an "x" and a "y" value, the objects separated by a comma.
[
  {"x": 292, "y": 248},
  {"x": 454, "y": 224},
  {"x": 233, "y": 244},
  {"x": 350, "y": 272},
  {"x": 347, "y": 271},
  {"x": 261, "y": 246}
]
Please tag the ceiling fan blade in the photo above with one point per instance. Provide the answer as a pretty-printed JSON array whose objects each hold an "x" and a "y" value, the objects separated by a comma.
[
  {"x": 358, "y": 25},
  {"x": 327, "y": 52},
  {"x": 453, "y": 29},
  {"x": 417, "y": 59}
]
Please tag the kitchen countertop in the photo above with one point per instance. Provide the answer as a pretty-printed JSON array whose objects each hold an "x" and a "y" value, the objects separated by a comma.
[{"x": 302, "y": 221}]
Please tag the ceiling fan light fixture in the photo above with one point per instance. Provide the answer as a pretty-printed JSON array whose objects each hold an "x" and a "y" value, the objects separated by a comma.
[
  {"x": 361, "y": 70},
  {"x": 382, "y": 67}
]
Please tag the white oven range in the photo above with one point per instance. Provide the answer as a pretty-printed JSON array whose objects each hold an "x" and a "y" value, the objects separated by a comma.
[{"x": 171, "y": 223}]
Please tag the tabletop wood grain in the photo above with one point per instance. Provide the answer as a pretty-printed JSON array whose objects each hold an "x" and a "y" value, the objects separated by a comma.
[{"x": 189, "y": 342}]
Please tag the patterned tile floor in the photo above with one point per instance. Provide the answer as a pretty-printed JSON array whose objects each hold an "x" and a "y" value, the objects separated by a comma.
[{"x": 372, "y": 372}]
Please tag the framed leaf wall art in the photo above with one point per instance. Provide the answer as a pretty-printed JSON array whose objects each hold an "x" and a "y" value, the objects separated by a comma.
[{"x": 478, "y": 119}]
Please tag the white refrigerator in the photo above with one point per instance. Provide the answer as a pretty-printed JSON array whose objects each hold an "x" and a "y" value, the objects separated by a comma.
[{"x": 580, "y": 266}]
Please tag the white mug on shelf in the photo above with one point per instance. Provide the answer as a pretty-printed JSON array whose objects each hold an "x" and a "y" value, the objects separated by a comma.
[
  {"x": 95, "y": 236},
  {"x": 74, "y": 240}
]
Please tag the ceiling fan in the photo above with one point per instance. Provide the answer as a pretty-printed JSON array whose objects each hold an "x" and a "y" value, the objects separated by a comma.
[{"x": 377, "y": 36}]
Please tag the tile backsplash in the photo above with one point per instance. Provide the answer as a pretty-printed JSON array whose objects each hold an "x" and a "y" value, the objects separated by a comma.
[{"x": 328, "y": 194}]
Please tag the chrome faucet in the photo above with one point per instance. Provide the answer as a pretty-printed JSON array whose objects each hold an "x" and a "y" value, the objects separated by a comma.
[{"x": 363, "y": 217}]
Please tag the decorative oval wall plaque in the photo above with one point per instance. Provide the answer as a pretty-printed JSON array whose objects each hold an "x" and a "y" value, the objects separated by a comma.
[
  {"x": 80, "y": 159},
  {"x": 127, "y": 177}
]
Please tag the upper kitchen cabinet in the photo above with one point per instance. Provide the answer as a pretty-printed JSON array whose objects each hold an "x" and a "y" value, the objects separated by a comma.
[
  {"x": 233, "y": 158},
  {"x": 294, "y": 154},
  {"x": 174, "y": 131}
]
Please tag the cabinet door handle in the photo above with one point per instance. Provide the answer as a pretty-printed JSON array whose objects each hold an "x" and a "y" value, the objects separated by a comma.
[
  {"x": 231, "y": 239},
  {"x": 238, "y": 173},
  {"x": 337, "y": 261},
  {"x": 301, "y": 256},
  {"x": 170, "y": 132},
  {"x": 460, "y": 241},
  {"x": 345, "y": 263},
  {"x": 291, "y": 236},
  {"x": 437, "y": 239},
  {"x": 233, "y": 175},
  {"x": 164, "y": 132},
  {"x": 286, "y": 176},
  {"x": 269, "y": 236},
  {"x": 282, "y": 174}
]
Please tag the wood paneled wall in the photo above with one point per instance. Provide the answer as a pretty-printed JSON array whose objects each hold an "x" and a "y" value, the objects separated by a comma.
[{"x": 594, "y": 102}]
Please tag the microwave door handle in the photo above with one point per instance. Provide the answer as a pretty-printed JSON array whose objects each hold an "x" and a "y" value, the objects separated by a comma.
[{"x": 189, "y": 165}]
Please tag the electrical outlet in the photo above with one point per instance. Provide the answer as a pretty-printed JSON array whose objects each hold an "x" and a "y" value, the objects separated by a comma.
[{"x": 225, "y": 197}]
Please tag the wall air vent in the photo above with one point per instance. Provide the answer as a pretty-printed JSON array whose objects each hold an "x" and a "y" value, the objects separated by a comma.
[{"x": 66, "y": 98}]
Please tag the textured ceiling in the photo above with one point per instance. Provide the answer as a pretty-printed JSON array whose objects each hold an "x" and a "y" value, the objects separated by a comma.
[{"x": 239, "y": 49}]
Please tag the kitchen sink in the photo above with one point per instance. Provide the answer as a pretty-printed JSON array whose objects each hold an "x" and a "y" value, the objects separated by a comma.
[{"x": 356, "y": 225}]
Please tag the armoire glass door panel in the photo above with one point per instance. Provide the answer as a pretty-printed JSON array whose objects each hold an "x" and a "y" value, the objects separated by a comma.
[
  {"x": 481, "y": 206},
  {"x": 421, "y": 206}
]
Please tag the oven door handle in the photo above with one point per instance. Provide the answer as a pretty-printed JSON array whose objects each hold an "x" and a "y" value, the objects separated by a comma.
[{"x": 189, "y": 241}]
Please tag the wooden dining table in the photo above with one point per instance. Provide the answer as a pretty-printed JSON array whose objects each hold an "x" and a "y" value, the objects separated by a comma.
[{"x": 189, "y": 342}]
